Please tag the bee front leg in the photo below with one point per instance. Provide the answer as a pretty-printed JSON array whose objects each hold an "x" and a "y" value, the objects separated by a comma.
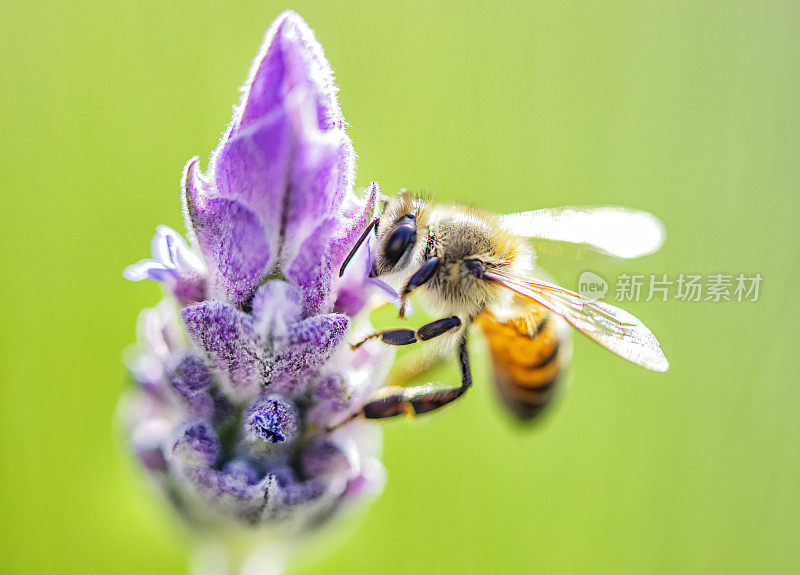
[
  {"x": 419, "y": 400},
  {"x": 420, "y": 277},
  {"x": 405, "y": 336}
]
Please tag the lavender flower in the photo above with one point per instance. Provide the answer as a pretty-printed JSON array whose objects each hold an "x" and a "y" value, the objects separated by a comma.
[{"x": 242, "y": 368}]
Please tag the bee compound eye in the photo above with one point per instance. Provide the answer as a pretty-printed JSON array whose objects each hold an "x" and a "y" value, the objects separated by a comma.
[{"x": 398, "y": 242}]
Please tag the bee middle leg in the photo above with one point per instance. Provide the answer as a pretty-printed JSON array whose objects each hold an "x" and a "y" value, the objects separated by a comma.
[
  {"x": 405, "y": 336},
  {"x": 419, "y": 400}
]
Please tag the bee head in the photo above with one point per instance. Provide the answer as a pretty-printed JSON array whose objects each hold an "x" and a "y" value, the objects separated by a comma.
[{"x": 396, "y": 234}]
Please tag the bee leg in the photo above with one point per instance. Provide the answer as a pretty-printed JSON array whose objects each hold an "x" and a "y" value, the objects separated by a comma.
[
  {"x": 419, "y": 400},
  {"x": 405, "y": 336},
  {"x": 420, "y": 277}
]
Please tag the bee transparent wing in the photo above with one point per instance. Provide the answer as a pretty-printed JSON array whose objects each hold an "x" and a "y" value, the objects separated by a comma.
[
  {"x": 614, "y": 231},
  {"x": 613, "y": 328}
]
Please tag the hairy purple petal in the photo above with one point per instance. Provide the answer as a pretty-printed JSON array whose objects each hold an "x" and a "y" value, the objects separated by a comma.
[
  {"x": 290, "y": 56},
  {"x": 191, "y": 379},
  {"x": 312, "y": 270},
  {"x": 227, "y": 493},
  {"x": 331, "y": 396},
  {"x": 191, "y": 375},
  {"x": 253, "y": 168},
  {"x": 291, "y": 496},
  {"x": 353, "y": 221},
  {"x": 231, "y": 237},
  {"x": 272, "y": 419},
  {"x": 321, "y": 173},
  {"x": 331, "y": 388},
  {"x": 242, "y": 470},
  {"x": 286, "y": 156},
  {"x": 231, "y": 343},
  {"x": 356, "y": 287},
  {"x": 196, "y": 444},
  {"x": 307, "y": 346}
]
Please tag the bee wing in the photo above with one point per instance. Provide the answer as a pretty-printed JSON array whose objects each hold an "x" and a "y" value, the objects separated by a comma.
[
  {"x": 613, "y": 328},
  {"x": 614, "y": 231}
]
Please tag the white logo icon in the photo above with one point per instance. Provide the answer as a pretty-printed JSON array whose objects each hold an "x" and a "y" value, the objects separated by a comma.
[{"x": 592, "y": 286}]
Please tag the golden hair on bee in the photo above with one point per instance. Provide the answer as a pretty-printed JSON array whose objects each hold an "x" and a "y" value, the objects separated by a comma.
[{"x": 406, "y": 203}]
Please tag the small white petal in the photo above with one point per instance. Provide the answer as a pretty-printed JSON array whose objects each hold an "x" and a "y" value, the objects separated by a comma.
[{"x": 142, "y": 270}]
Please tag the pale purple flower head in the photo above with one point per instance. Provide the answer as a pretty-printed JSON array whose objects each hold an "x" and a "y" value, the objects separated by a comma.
[{"x": 243, "y": 368}]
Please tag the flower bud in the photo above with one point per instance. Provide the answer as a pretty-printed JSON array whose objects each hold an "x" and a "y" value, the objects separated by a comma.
[{"x": 272, "y": 420}]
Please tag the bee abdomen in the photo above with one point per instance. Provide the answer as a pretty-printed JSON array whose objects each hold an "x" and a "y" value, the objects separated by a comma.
[{"x": 529, "y": 356}]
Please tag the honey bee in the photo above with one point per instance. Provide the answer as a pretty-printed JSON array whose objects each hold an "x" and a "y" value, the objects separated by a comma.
[{"x": 473, "y": 267}]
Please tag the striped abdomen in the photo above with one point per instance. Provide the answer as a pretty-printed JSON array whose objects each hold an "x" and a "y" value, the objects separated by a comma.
[{"x": 529, "y": 351}]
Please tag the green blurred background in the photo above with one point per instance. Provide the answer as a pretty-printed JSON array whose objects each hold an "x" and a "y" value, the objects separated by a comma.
[{"x": 688, "y": 109}]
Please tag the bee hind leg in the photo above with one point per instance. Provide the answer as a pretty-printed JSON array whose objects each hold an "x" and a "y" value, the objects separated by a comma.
[{"x": 419, "y": 400}]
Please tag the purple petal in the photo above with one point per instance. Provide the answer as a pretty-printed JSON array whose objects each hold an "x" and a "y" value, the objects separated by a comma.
[
  {"x": 163, "y": 246},
  {"x": 229, "y": 339},
  {"x": 290, "y": 495},
  {"x": 353, "y": 287},
  {"x": 191, "y": 375},
  {"x": 326, "y": 457},
  {"x": 332, "y": 396},
  {"x": 286, "y": 156},
  {"x": 253, "y": 168},
  {"x": 322, "y": 171},
  {"x": 332, "y": 387},
  {"x": 158, "y": 329},
  {"x": 242, "y": 470},
  {"x": 290, "y": 56},
  {"x": 294, "y": 494},
  {"x": 148, "y": 442},
  {"x": 276, "y": 305},
  {"x": 190, "y": 379},
  {"x": 232, "y": 239},
  {"x": 147, "y": 370},
  {"x": 200, "y": 405},
  {"x": 312, "y": 270},
  {"x": 307, "y": 346},
  {"x": 189, "y": 289},
  {"x": 229, "y": 493},
  {"x": 152, "y": 457},
  {"x": 351, "y": 226},
  {"x": 196, "y": 444}
]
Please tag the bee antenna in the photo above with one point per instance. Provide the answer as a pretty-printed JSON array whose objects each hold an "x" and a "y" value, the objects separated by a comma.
[{"x": 372, "y": 224}]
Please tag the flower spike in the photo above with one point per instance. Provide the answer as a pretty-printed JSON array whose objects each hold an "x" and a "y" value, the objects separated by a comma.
[{"x": 242, "y": 369}]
